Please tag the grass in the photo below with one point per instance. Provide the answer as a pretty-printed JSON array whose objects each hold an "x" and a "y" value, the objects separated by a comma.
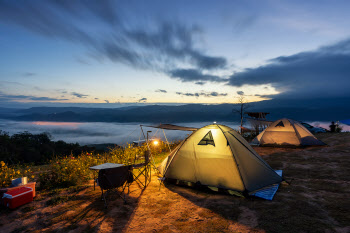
[{"x": 60, "y": 199}]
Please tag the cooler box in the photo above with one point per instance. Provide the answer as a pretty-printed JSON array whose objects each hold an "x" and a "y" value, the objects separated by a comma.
[
  {"x": 17, "y": 197},
  {"x": 29, "y": 185}
]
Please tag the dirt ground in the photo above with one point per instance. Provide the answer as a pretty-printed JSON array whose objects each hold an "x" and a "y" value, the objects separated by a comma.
[{"x": 317, "y": 200}]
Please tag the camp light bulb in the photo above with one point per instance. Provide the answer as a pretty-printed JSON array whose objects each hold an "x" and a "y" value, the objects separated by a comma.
[
  {"x": 214, "y": 122},
  {"x": 155, "y": 142}
]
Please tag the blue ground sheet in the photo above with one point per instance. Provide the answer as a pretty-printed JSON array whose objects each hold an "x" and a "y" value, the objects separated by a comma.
[{"x": 269, "y": 191}]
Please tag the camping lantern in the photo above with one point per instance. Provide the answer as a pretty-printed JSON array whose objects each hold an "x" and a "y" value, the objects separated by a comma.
[{"x": 155, "y": 142}]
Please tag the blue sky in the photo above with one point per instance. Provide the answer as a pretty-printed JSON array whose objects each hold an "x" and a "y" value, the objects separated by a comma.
[{"x": 172, "y": 51}]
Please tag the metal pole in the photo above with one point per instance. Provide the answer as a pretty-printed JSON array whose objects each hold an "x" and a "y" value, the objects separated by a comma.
[
  {"x": 166, "y": 140},
  {"x": 152, "y": 163},
  {"x": 147, "y": 135}
]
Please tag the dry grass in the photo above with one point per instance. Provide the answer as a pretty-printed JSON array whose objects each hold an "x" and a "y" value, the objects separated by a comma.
[{"x": 316, "y": 201}]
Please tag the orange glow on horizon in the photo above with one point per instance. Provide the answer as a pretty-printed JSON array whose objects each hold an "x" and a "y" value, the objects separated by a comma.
[{"x": 49, "y": 123}]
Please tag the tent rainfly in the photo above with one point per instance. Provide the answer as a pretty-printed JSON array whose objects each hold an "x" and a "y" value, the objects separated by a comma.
[
  {"x": 217, "y": 156},
  {"x": 286, "y": 132}
]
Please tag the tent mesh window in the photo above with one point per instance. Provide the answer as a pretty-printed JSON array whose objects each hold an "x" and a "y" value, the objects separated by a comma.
[
  {"x": 280, "y": 124},
  {"x": 207, "y": 139}
]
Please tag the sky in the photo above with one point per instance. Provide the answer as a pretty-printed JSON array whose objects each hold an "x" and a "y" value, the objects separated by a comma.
[{"x": 172, "y": 51}]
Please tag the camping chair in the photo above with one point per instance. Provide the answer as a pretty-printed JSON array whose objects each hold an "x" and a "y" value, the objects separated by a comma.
[
  {"x": 144, "y": 169},
  {"x": 112, "y": 178}
]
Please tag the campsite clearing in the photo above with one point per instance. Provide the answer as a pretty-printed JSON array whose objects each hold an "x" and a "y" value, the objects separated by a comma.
[{"x": 316, "y": 201}]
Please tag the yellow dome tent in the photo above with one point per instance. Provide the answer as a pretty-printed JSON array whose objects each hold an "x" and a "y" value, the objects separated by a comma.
[
  {"x": 218, "y": 156},
  {"x": 286, "y": 132}
]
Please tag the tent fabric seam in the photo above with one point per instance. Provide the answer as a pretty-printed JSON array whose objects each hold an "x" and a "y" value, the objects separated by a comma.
[
  {"x": 234, "y": 157},
  {"x": 296, "y": 132},
  {"x": 259, "y": 159}
]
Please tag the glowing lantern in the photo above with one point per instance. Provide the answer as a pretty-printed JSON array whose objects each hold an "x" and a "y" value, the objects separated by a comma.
[{"x": 155, "y": 142}]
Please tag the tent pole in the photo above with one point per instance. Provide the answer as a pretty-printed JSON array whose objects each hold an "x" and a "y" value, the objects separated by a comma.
[
  {"x": 166, "y": 140},
  {"x": 149, "y": 149}
]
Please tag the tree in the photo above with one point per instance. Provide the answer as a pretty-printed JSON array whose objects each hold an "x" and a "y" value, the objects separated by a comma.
[{"x": 241, "y": 107}]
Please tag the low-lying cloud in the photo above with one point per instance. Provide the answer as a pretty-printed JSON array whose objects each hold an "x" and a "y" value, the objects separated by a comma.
[{"x": 92, "y": 133}]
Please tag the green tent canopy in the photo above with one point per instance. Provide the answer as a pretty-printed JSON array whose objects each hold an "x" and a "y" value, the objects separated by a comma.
[{"x": 218, "y": 156}]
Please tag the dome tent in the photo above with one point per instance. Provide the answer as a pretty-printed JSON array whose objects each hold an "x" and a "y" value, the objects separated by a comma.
[
  {"x": 218, "y": 156},
  {"x": 286, "y": 132}
]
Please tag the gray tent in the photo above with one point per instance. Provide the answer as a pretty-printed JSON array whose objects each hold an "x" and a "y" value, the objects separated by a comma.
[
  {"x": 286, "y": 132},
  {"x": 218, "y": 156}
]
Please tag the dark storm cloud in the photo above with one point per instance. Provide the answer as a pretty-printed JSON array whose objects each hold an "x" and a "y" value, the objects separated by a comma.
[
  {"x": 107, "y": 101},
  {"x": 324, "y": 72},
  {"x": 191, "y": 75},
  {"x": 161, "y": 90},
  {"x": 240, "y": 92},
  {"x": 5, "y": 97},
  {"x": 142, "y": 100},
  {"x": 104, "y": 29},
  {"x": 197, "y": 94},
  {"x": 79, "y": 95}
]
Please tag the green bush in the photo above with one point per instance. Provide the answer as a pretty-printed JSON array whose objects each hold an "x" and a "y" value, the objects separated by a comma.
[
  {"x": 70, "y": 171},
  {"x": 7, "y": 173}
]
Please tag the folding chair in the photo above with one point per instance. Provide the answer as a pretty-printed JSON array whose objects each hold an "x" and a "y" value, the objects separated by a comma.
[
  {"x": 144, "y": 169},
  {"x": 112, "y": 178}
]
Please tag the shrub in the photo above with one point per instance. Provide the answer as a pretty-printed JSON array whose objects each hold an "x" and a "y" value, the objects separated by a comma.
[
  {"x": 34, "y": 148},
  {"x": 7, "y": 173},
  {"x": 338, "y": 129},
  {"x": 69, "y": 170}
]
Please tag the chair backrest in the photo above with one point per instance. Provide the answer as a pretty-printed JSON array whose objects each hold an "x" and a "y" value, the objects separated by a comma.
[
  {"x": 114, "y": 177},
  {"x": 147, "y": 160}
]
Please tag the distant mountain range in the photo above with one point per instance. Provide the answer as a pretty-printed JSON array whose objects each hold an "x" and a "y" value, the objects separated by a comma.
[{"x": 303, "y": 110}]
